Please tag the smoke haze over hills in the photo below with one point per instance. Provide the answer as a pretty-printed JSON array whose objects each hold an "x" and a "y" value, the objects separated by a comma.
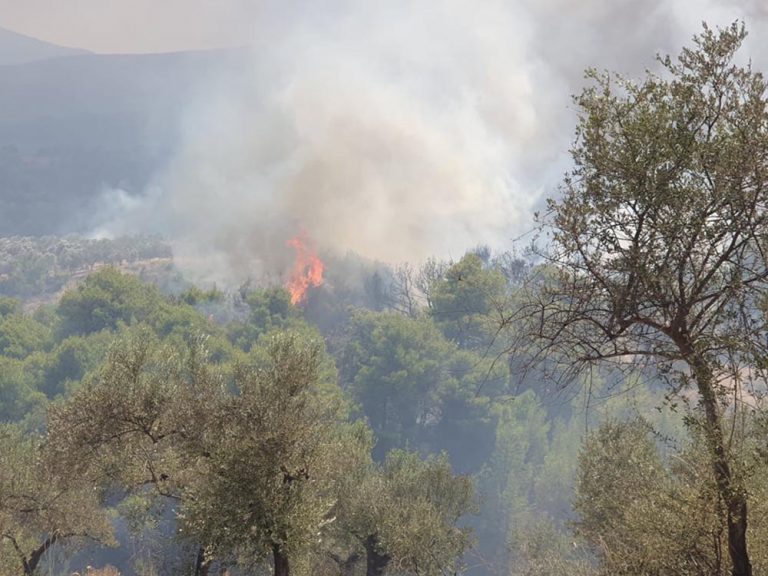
[{"x": 397, "y": 131}]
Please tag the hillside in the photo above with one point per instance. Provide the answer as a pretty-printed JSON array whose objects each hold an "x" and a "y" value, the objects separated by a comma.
[
  {"x": 72, "y": 126},
  {"x": 17, "y": 48}
]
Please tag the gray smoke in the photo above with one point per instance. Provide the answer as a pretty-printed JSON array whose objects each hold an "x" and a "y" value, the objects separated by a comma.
[{"x": 397, "y": 130}]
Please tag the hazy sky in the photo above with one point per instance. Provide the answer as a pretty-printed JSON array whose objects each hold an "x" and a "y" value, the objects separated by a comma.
[
  {"x": 168, "y": 25},
  {"x": 132, "y": 25}
]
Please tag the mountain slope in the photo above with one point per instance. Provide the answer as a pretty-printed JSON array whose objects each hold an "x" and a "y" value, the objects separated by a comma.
[
  {"x": 19, "y": 49},
  {"x": 74, "y": 126}
]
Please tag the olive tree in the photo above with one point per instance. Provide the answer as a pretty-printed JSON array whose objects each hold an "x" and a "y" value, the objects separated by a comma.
[
  {"x": 402, "y": 515},
  {"x": 657, "y": 243},
  {"x": 137, "y": 422},
  {"x": 41, "y": 506},
  {"x": 269, "y": 462},
  {"x": 636, "y": 507},
  {"x": 249, "y": 455}
]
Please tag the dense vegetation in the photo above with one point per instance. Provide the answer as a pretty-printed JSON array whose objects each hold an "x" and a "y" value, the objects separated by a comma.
[
  {"x": 42, "y": 266},
  {"x": 594, "y": 410},
  {"x": 171, "y": 415}
]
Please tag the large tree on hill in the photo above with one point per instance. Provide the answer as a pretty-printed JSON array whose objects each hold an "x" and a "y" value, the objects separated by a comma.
[{"x": 658, "y": 242}]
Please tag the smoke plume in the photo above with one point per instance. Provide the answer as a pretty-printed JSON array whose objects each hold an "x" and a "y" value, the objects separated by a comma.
[{"x": 397, "y": 130}]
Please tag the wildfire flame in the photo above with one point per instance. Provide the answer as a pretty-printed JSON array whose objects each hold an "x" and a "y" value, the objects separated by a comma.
[{"x": 307, "y": 269}]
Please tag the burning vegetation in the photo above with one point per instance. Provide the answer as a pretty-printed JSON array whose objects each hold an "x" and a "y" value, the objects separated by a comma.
[{"x": 307, "y": 269}]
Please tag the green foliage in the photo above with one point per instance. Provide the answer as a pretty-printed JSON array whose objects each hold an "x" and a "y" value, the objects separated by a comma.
[
  {"x": 424, "y": 502},
  {"x": 395, "y": 367},
  {"x": 327, "y": 378},
  {"x": 28, "y": 274},
  {"x": 109, "y": 299},
  {"x": 40, "y": 504},
  {"x": 466, "y": 302},
  {"x": 277, "y": 446},
  {"x": 18, "y": 391},
  {"x": 657, "y": 240},
  {"x": 58, "y": 346},
  {"x": 69, "y": 361},
  {"x": 552, "y": 489},
  {"x": 9, "y": 306},
  {"x": 42, "y": 265},
  {"x": 20, "y": 335},
  {"x": 196, "y": 421},
  {"x": 269, "y": 310},
  {"x": 265, "y": 485},
  {"x": 127, "y": 417},
  {"x": 508, "y": 479},
  {"x": 541, "y": 549},
  {"x": 619, "y": 464},
  {"x": 157, "y": 416},
  {"x": 180, "y": 321},
  {"x": 415, "y": 387},
  {"x": 404, "y": 513},
  {"x": 645, "y": 516},
  {"x": 194, "y": 296},
  {"x": 105, "y": 300}
]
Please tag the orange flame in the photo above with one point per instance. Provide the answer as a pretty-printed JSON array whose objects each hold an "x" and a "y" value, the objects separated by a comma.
[{"x": 307, "y": 269}]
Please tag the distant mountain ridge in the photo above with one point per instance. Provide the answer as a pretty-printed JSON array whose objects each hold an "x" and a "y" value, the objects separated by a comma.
[
  {"x": 17, "y": 48},
  {"x": 74, "y": 125}
]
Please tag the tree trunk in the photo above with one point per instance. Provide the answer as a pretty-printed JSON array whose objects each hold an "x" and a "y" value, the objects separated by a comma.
[
  {"x": 375, "y": 562},
  {"x": 34, "y": 559},
  {"x": 348, "y": 566},
  {"x": 733, "y": 496},
  {"x": 202, "y": 565},
  {"x": 280, "y": 560}
]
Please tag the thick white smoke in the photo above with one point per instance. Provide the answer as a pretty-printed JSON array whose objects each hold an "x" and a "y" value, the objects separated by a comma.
[{"x": 396, "y": 129}]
